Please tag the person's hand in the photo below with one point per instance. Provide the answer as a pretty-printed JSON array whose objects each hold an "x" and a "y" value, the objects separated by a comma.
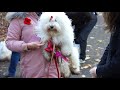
[
  {"x": 34, "y": 45},
  {"x": 93, "y": 72}
]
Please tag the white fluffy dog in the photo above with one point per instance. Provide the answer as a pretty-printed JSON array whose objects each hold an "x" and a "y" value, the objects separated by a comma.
[{"x": 56, "y": 26}]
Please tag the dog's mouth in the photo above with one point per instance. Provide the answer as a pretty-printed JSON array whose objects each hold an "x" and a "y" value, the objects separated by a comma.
[{"x": 52, "y": 30}]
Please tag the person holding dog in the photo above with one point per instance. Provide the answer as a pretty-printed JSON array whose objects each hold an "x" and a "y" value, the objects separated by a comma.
[
  {"x": 21, "y": 38},
  {"x": 109, "y": 66},
  {"x": 15, "y": 58}
]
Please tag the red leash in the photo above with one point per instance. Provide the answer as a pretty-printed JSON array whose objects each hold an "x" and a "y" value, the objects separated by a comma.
[
  {"x": 57, "y": 67},
  {"x": 51, "y": 49}
]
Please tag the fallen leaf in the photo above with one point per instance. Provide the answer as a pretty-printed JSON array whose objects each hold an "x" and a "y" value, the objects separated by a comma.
[
  {"x": 87, "y": 57},
  {"x": 100, "y": 48},
  {"x": 83, "y": 76},
  {"x": 87, "y": 66},
  {"x": 97, "y": 60},
  {"x": 4, "y": 73},
  {"x": 96, "y": 49},
  {"x": 89, "y": 45},
  {"x": 96, "y": 27},
  {"x": 100, "y": 41},
  {"x": 87, "y": 50},
  {"x": 92, "y": 37}
]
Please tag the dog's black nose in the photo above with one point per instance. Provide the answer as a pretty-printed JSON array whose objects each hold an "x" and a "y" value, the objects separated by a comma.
[{"x": 51, "y": 27}]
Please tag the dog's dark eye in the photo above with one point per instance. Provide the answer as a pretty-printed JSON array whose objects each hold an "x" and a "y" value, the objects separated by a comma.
[{"x": 55, "y": 20}]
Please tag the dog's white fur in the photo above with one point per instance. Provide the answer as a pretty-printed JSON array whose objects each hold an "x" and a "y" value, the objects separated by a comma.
[{"x": 62, "y": 35}]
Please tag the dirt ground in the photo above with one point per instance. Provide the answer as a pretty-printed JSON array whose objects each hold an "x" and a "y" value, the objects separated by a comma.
[{"x": 97, "y": 41}]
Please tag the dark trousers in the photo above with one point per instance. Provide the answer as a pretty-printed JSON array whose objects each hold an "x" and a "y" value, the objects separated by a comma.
[
  {"x": 13, "y": 63},
  {"x": 83, "y": 35}
]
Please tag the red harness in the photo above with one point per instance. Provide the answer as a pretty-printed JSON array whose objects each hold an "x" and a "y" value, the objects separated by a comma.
[{"x": 55, "y": 54}]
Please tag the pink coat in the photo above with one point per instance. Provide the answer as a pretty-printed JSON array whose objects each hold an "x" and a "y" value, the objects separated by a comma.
[{"x": 33, "y": 64}]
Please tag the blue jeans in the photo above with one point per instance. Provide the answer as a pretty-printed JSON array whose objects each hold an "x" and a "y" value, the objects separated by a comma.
[{"x": 13, "y": 63}]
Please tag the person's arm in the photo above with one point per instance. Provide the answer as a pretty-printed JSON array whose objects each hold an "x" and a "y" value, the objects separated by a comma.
[
  {"x": 113, "y": 66},
  {"x": 104, "y": 57},
  {"x": 13, "y": 37}
]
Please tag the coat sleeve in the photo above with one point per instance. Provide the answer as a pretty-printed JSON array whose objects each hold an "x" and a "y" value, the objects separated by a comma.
[
  {"x": 13, "y": 41},
  {"x": 104, "y": 57},
  {"x": 112, "y": 67}
]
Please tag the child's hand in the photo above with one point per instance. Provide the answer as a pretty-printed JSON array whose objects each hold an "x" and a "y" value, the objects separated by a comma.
[
  {"x": 93, "y": 72},
  {"x": 34, "y": 45}
]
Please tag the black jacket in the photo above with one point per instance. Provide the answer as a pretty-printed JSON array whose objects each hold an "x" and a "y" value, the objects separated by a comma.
[
  {"x": 83, "y": 21},
  {"x": 109, "y": 66},
  {"x": 79, "y": 19}
]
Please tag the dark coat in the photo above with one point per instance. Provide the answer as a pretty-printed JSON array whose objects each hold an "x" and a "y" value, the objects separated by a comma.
[
  {"x": 79, "y": 19},
  {"x": 84, "y": 22},
  {"x": 109, "y": 66}
]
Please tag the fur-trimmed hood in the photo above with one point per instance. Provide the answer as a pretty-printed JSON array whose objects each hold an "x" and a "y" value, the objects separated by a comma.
[{"x": 12, "y": 15}]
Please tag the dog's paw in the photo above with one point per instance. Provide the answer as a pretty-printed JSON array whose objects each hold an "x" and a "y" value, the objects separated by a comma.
[
  {"x": 75, "y": 71},
  {"x": 65, "y": 70},
  {"x": 65, "y": 75}
]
